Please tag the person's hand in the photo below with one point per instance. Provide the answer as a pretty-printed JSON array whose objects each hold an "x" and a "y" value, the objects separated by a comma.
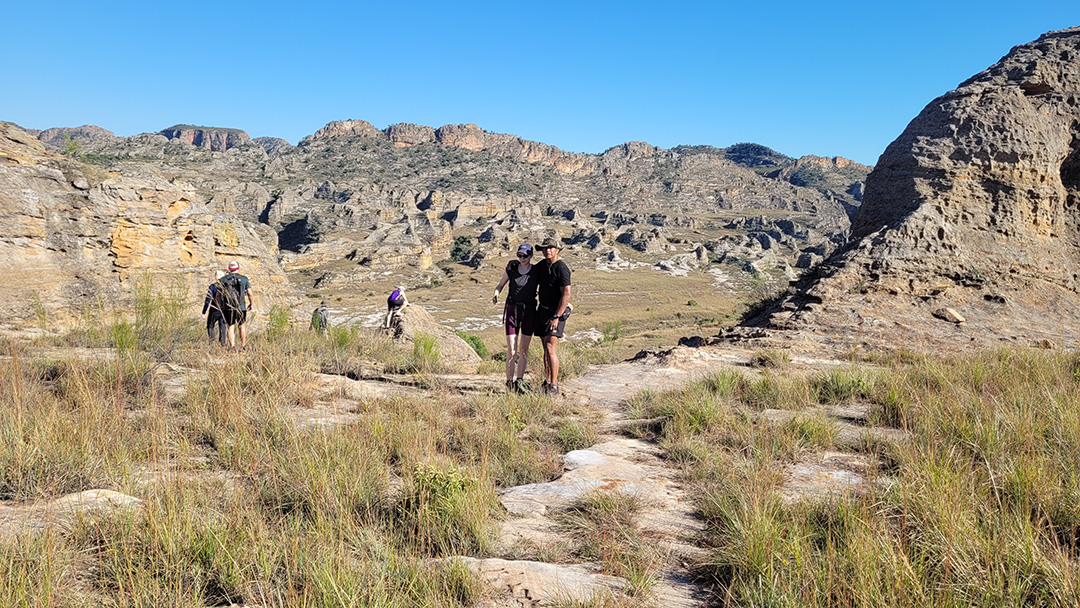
[{"x": 495, "y": 299}]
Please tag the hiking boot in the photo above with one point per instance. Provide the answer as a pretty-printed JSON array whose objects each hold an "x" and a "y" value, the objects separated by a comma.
[
  {"x": 520, "y": 386},
  {"x": 551, "y": 390}
]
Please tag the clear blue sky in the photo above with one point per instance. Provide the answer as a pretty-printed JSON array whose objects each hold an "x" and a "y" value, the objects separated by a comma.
[{"x": 829, "y": 78}]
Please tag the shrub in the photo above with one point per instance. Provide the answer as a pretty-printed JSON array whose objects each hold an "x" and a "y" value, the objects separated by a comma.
[{"x": 476, "y": 343}]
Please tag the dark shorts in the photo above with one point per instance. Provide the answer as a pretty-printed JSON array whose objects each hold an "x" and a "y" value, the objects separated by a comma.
[
  {"x": 518, "y": 319},
  {"x": 234, "y": 317},
  {"x": 542, "y": 325}
]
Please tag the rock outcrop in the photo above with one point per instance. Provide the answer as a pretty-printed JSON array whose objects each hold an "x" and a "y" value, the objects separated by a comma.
[
  {"x": 74, "y": 237},
  {"x": 212, "y": 138},
  {"x": 57, "y": 137},
  {"x": 974, "y": 208}
]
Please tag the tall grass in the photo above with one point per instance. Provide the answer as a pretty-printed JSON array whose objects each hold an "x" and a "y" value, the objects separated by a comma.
[
  {"x": 241, "y": 504},
  {"x": 981, "y": 506}
]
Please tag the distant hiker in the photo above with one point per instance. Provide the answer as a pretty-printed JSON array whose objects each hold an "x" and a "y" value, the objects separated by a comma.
[
  {"x": 518, "y": 314},
  {"x": 320, "y": 319},
  {"x": 211, "y": 309},
  {"x": 395, "y": 307},
  {"x": 553, "y": 277},
  {"x": 237, "y": 299}
]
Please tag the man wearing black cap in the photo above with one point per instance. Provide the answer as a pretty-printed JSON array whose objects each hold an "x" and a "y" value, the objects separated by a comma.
[{"x": 554, "y": 307}]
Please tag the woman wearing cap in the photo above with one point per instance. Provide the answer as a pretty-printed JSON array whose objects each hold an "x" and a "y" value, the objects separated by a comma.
[{"x": 518, "y": 314}]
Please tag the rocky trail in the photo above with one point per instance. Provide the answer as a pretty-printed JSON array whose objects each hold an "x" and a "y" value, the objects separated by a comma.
[{"x": 619, "y": 463}]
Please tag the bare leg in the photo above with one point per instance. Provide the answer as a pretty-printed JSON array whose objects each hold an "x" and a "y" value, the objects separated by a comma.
[
  {"x": 523, "y": 355},
  {"x": 243, "y": 335},
  {"x": 232, "y": 337},
  {"x": 511, "y": 350},
  {"x": 551, "y": 359}
]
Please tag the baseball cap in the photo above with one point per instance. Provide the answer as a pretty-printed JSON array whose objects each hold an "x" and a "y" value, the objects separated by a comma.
[
  {"x": 234, "y": 265},
  {"x": 525, "y": 249}
]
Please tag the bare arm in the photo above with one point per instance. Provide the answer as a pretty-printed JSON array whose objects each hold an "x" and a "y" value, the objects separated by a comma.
[
  {"x": 498, "y": 288},
  {"x": 564, "y": 301}
]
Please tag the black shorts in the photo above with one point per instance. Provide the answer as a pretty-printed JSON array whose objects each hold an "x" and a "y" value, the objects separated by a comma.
[
  {"x": 234, "y": 317},
  {"x": 518, "y": 319},
  {"x": 542, "y": 326}
]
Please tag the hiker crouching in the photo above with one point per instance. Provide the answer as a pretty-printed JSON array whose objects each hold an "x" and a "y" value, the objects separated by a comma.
[
  {"x": 553, "y": 277},
  {"x": 237, "y": 299}
]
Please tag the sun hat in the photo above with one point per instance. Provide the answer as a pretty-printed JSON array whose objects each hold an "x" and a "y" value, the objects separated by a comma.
[
  {"x": 525, "y": 249},
  {"x": 549, "y": 243},
  {"x": 234, "y": 265}
]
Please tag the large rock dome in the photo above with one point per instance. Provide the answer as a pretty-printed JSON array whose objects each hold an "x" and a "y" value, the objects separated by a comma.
[{"x": 974, "y": 208}]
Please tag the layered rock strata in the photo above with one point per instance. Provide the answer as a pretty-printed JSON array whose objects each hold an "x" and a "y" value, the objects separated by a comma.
[
  {"x": 75, "y": 239},
  {"x": 976, "y": 208}
]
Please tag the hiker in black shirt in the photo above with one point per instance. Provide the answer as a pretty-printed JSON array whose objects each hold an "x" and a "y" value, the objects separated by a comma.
[
  {"x": 518, "y": 314},
  {"x": 553, "y": 277}
]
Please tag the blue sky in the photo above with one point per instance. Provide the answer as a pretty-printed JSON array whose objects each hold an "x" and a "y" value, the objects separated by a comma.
[{"x": 829, "y": 78}]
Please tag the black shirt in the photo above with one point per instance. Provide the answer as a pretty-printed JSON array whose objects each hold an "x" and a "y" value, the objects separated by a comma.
[
  {"x": 522, "y": 285},
  {"x": 552, "y": 278}
]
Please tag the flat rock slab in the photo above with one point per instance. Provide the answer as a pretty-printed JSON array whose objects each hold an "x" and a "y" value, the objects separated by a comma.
[
  {"x": 824, "y": 475},
  {"x": 523, "y": 583},
  {"x": 604, "y": 467},
  {"x": 38, "y": 515},
  {"x": 611, "y": 385}
]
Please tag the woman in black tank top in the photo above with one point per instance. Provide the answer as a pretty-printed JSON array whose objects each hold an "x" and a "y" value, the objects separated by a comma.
[{"x": 518, "y": 314}]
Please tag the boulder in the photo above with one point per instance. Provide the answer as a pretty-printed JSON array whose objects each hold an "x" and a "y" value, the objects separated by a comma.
[{"x": 454, "y": 352}]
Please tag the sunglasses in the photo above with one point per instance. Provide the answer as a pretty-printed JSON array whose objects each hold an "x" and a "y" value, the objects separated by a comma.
[{"x": 524, "y": 255}]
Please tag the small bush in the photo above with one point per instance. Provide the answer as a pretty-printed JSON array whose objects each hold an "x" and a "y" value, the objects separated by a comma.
[{"x": 476, "y": 343}]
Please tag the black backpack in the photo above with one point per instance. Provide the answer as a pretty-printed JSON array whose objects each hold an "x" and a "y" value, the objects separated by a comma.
[{"x": 229, "y": 291}]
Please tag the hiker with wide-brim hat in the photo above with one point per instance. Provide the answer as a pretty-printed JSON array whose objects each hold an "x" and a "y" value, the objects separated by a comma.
[
  {"x": 553, "y": 308},
  {"x": 518, "y": 314}
]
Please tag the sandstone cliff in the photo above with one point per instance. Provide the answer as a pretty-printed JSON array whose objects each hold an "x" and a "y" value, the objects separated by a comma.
[
  {"x": 76, "y": 239},
  {"x": 211, "y": 138},
  {"x": 974, "y": 208}
]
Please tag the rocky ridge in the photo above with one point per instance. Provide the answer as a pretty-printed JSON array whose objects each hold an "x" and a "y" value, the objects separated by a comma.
[
  {"x": 352, "y": 202},
  {"x": 973, "y": 210}
]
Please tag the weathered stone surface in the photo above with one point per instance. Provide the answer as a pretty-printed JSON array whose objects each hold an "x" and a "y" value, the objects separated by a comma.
[
  {"x": 361, "y": 128},
  {"x": 273, "y": 145},
  {"x": 453, "y": 351},
  {"x": 531, "y": 584},
  {"x": 976, "y": 204},
  {"x": 949, "y": 314},
  {"x": 72, "y": 237},
  {"x": 16, "y": 518},
  {"x": 215, "y": 139},
  {"x": 57, "y": 137}
]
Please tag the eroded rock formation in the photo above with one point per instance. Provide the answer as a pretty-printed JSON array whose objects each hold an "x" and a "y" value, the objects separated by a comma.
[
  {"x": 975, "y": 207},
  {"x": 75, "y": 237},
  {"x": 212, "y": 138}
]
